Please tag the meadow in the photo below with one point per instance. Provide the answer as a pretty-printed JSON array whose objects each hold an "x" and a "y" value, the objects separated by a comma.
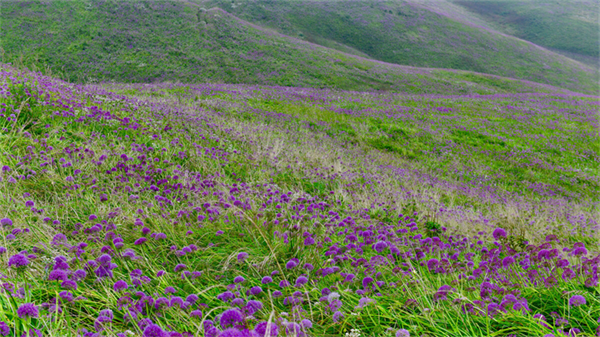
[{"x": 245, "y": 210}]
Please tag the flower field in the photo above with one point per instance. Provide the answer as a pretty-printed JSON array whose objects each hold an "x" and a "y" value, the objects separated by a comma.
[{"x": 240, "y": 210}]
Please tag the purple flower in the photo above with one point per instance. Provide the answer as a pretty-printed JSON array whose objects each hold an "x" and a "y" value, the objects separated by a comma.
[
  {"x": 139, "y": 241},
  {"x": 153, "y": 330},
  {"x": 309, "y": 241},
  {"x": 380, "y": 246},
  {"x": 579, "y": 251},
  {"x": 27, "y": 310},
  {"x": 577, "y": 300},
  {"x": 29, "y": 203},
  {"x": 402, "y": 333},
  {"x": 231, "y": 332},
  {"x": 192, "y": 298},
  {"x": 291, "y": 264},
  {"x": 4, "y": 329},
  {"x": 196, "y": 313},
  {"x": 366, "y": 281},
  {"x": 120, "y": 285},
  {"x": 337, "y": 316},
  {"x": 499, "y": 233},
  {"x": 180, "y": 267},
  {"x": 301, "y": 280},
  {"x": 432, "y": 264},
  {"x": 6, "y": 222},
  {"x": 231, "y": 317},
  {"x": 18, "y": 260},
  {"x": 242, "y": 256},
  {"x": 170, "y": 290},
  {"x": 261, "y": 329},
  {"x": 255, "y": 290},
  {"x": 294, "y": 329},
  {"x": 507, "y": 261},
  {"x": 253, "y": 306},
  {"x": 57, "y": 275},
  {"x": 266, "y": 280},
  {"x": 69, "y": 284},
  {"x": 239, "y": 279},
  {"x": 307, "y": 324}
]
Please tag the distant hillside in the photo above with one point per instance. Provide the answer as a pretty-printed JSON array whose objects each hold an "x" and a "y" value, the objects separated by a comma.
[
  {"x": 154, "y": 41},
  {"x": 416, "y": 33},
  {"x": 568, "y": 27}
]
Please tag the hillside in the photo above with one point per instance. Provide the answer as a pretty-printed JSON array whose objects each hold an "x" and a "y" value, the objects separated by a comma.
[
  {"x": 417, "y": 33},
  {"x": 143, "y": 41},
  {"x": 214, "y": 210},
  {"x": 568, "y": 27}
]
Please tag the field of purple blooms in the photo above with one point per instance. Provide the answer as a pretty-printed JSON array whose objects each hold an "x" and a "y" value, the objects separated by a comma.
[{"x": 238, "y": 210}]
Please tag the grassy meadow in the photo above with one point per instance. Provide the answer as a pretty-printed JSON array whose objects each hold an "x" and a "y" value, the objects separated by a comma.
[{"x": 245, "y": 210}]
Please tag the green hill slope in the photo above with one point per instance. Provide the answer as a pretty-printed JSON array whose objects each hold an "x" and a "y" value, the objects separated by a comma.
[
  {"x": 175, "y": 41},
  {"x": 417, "y": 34},
  {"x": 568, "y": 27}
]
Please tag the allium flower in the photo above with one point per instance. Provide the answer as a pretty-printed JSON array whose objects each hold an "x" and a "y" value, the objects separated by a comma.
[
  {"x": 192, "y": 298},
  {"x": 29, "y": 203},
  {"x": 231, "y": 317},
  {"x": 380, "y": 246},
  {"x": 139, "y": 241},
  {"x": 307, "y": 324},
  {"x": 291, "y": 264},
  {"x": 120, "y": 285},
  {"x": 301, "y": 280},
  {"x": 6, "y": 222},
  {"x": 402, "y": 333},
  {"x": 180, "y": 267},
  {"x": 507, "y": 261},
  {"x": 239, "y": 279},
  {"x": 266, "y": 280},
  {"x": 154, "y": 330},
  {"x": 309, "y": 241},
  {"x": 261, "y": 329},
  {"x": 253, "y": 306},
  {"x": 242, "y": 256},
  {"x": 337, "y": 316},
  {"x": 577, "y": 300},
  {"x": 231, "y": 332},
  {"x": 579, "y": 251},
  {"x": 170, "y": 290},
  {"x": 432, "y": 264},
  {"x": 69, "y": 284},
  {"x": 196, "y": 313},
  {"x": 27, "y": 310},
  {"x": 57, "y": 275},
  {"x": 255, "y": 290},
  {"x": 66, "y": 295},
  {"x": 18, "y": 260},
  {"x": 366, "y": 281},
  {"x": 4, "y": 329},
  {"x": 499, "y": 233}
]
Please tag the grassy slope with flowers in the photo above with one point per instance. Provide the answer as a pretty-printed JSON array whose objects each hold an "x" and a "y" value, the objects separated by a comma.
[{"x": 146, "y": 209}]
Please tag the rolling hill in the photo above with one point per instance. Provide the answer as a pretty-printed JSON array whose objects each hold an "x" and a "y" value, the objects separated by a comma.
[
  {"x": 143, "y": 41},
  {"x": 435, "y": 34}
]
